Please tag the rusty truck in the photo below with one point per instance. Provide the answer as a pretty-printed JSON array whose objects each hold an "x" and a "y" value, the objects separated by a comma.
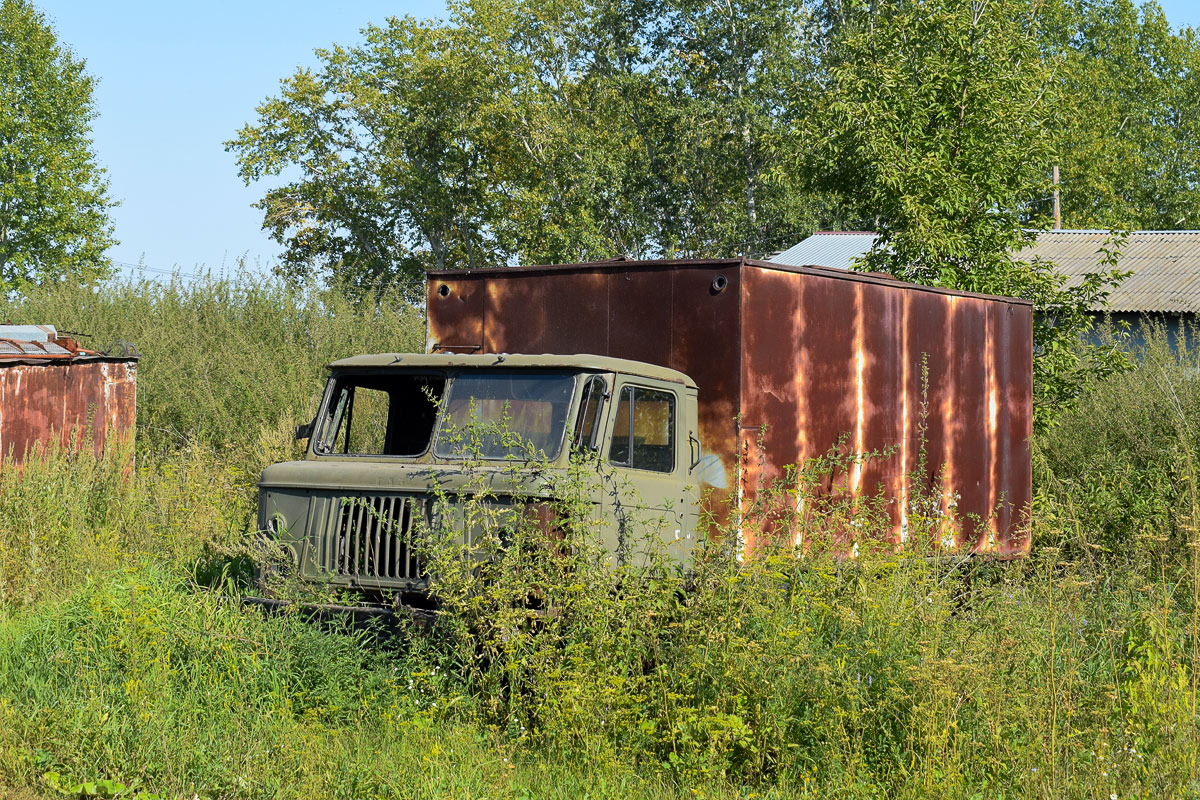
[{"x": 693, "y": 383}]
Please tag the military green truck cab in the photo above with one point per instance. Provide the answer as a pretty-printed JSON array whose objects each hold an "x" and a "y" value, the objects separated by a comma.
[{"x": 391, "y": 441}]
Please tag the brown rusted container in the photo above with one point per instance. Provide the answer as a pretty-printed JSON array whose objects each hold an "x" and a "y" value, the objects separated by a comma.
[
  {"x": 791, "y": 361},
  {"x": 54, "y": 391}
]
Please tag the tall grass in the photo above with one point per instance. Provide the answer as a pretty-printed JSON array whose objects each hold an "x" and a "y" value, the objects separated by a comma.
[
  {"x": 124, "y": 655},
  {"x": 223, "y": 355},
  {"x": 1122, "y": 465},
  {"x": 889, "y": 675}
]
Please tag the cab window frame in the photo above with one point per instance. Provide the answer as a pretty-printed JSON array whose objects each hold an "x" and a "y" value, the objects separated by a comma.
[
  {"x": 618, "y": 397},
  {"x": 595, "y": 439},
  {"x": 330, "y": 422}
]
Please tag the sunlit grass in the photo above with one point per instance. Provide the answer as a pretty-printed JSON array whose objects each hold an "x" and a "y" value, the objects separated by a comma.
[{"x": 126, "y": 655}]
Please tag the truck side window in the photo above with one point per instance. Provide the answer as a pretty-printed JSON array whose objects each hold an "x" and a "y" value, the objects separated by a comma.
[
  {"x": 644, "y": 433},
  {"x": 586, "y": 425}
]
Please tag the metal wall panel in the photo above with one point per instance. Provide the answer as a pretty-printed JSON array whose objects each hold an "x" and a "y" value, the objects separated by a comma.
[
  {"x": 65, "y": 401},
  {"x": 831, "y": 361}
]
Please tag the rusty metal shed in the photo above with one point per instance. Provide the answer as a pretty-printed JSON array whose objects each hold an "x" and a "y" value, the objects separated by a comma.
[
  {"x": 52, "y": 390},
  {"x": 816, "y": 355}
]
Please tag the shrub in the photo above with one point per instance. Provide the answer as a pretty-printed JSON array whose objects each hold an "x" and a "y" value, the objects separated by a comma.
[{"x": 1117, "y": 477}]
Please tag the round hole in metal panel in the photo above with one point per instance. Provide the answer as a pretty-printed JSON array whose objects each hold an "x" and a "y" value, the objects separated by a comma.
[
  {"x": 718, "y": 284},
  {"x": 444, "y": 290}
]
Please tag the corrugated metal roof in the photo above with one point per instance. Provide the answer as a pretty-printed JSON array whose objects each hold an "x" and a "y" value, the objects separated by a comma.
[
  {"x": 41, "y": 344},
  {"x": 25, "y": 349},
  {"x": 836, "y": 249},
  {"x": 1165, "y": 266}
]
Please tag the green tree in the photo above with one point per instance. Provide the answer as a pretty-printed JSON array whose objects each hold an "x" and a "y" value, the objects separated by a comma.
[
  {"x": 733, "y": 70},
  {"x": 669, "y": 126},
  {"x": 393, "y": 147},
  {"x": 932, "y": 125},
  {"x": 54, "y": 204},
  {"x": 1127, "y": 119},
  {"x": 500, "y": 136},
  {"x": 929, "y": 126},
  {"x": 536, "y": 132},
  {"x": 586, "y": 129}
]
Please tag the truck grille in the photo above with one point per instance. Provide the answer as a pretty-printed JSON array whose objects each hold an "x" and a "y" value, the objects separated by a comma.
[{"x": 373, "y": 538}]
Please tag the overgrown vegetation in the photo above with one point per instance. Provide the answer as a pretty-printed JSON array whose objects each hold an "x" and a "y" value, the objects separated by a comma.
[
  {"x": 126, "y": 657},
  {"x": 223, "y": 356}
]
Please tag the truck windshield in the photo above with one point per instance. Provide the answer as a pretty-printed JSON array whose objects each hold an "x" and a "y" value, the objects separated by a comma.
[
  {"x": 496, "y": 415},
  {"x": 380, "y": 414}
]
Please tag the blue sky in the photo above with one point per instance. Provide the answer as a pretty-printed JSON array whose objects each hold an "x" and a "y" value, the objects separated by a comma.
[{"x": 178, "y": 79}]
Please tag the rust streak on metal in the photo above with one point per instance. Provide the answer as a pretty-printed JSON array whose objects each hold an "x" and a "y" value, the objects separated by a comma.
[
  {"x": 993, "y": 412},
  {"x": 948, "y": 425},
  {"x": 860, "y": 406},
  {"x": 800, "y": 392},
  {"x": 57, "y": 393}
]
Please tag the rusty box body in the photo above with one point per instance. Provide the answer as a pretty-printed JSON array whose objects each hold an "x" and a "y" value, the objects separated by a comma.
[
  {"x": 51, "y": 390},
  {"x": 790, "y": 361}
]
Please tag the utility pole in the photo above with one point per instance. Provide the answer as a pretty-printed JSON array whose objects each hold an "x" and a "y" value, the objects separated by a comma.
[{"x": 1057, "y": 203}]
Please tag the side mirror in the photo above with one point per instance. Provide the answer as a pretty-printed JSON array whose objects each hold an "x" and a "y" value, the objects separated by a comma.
[
  {"x": 304, "y": 431},
  {"x": 694, "y": 445}
]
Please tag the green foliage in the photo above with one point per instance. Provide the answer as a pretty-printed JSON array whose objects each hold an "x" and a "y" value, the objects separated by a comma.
[
  {"x": 184, "y": 695},
  {"x": 1125, "y": 122},
  {"x": 63, "y": 519},
  {"x": 392, "y": 142},
  {"x": 100, "y": 788},
  {"x": 1124, "y": 464},
  {"x": 939, "y": 123},
  {"x": 569, "y": 131},
  {"x": 931, "y": 124},
  {"x": 536, "y": 133},
  {"x": 733, "y": 72},
  {"x": 54, "y": 200}
]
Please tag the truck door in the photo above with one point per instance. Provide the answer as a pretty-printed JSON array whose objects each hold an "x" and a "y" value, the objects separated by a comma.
[{"x": 645, "y": 472}]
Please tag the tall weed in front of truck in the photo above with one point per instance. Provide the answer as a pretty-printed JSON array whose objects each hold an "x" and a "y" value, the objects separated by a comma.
[
  {"x": 519, "y": 572},
  {"x": 70, "y": 517},
  {"x": 908, "y": 671},
  {"x": 121, "y": 666},
  {"x": 786, "y": 674}
]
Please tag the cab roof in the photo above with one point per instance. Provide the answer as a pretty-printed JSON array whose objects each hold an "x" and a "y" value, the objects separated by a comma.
[{"x": 580, "y": 362}]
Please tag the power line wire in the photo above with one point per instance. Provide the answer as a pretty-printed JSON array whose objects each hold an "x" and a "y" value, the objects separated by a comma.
[{"x": 157, "y": 270}]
